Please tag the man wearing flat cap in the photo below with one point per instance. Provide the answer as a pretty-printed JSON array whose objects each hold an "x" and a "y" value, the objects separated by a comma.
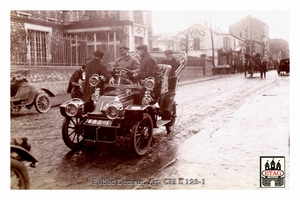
[
  {"x": 96, "y": 66},
  {"x": 149, "y": 67},
  {"x": 125, "y": 61},
  {"x": 170, "y": 60}
]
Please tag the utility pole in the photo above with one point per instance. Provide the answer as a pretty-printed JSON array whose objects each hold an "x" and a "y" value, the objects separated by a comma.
[{"x": 212, "y": 45}]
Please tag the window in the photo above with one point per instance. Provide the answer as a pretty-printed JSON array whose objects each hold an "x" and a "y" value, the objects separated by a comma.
[
  {"x": 37, "y": 42},
  {"x": 224, "y": 60},
  {"x": 226, "y": 42},
  {"x": 234, "y": 43},
  {"x": 138, "y": 40},
  {"x": 196, "y": 43},
  {"x": 23, "y": 14},
  {"x": 138, "y": 16}
]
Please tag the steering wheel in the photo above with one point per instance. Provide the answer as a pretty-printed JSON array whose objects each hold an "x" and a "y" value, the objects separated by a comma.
[
  {"x": 121, "y": 71},
  {"x": 124, "y": 76}
]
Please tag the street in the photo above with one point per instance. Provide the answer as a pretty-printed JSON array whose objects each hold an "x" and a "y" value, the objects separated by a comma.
[{"x": 223, "y": 126}]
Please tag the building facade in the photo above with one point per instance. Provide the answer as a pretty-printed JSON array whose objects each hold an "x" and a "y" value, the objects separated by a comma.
[
  {"x": 255, "y": 33},
  {"x": 279, "y": 49},
  {"x": 67, "y": 37},
  {"x": 197, "y": 40}
]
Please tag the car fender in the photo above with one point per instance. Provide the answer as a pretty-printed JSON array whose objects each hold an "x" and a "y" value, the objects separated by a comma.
[
  {"x": 24, "y": 154},
  {"x": 135, "y": 112},
  {"x": 48, "y": 92}
]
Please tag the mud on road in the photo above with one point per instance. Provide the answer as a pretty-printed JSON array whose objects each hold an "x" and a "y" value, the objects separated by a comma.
[{"x": 201, "y": 106}]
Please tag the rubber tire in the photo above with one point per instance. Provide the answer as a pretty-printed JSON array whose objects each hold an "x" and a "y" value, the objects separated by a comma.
[
  {"x": 134, "y": 132},
  {"x": 65, "y": 133},
  {"x": 21, "y": 172},
  {"x": 171, "y": 124},
  {"x": 16, "y": 110},
  {"x": 37, "y": 102}
]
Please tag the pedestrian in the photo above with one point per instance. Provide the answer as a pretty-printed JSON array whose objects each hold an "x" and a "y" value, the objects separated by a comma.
[
  {"x": 125, "y": 61},
  {"x": 149, "y": 68},
  {"x": 263, "y": 69},
  {"x": 170, "y": 60},
  {"x": 96, "y": 66},
  {"x": 77, "y": 76}
]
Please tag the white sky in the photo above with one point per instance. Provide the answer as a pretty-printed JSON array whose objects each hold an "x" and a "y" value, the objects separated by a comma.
[
  {"x": 173, "y": 16},
  {"x": 173, "y": 21}
]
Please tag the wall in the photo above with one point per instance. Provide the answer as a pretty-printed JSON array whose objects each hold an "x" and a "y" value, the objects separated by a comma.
[{"x": 56, "y": 79}]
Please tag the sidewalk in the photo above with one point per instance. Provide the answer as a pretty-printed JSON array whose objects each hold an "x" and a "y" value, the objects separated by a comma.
[
  {"x": 226, "y": 154},
  {"x": 60, "y": 98}
]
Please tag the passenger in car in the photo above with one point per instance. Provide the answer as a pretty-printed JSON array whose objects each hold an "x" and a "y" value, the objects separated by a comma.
[
  {"x": 149, "y": 68},
  {"x": 170, "y": 60}
]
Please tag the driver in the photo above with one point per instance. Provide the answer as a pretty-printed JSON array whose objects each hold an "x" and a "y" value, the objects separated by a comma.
[{"x": 125, "y": 61}]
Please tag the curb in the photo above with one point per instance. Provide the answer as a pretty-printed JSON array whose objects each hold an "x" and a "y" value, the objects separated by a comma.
[{"x": 59, "y": 99}]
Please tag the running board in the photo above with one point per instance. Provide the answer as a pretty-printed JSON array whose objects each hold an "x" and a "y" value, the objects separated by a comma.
[{"x": 162, "y": 122}]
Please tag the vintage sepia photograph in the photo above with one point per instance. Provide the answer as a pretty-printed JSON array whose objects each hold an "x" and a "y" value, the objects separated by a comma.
[{"x": 149, "y": 99}]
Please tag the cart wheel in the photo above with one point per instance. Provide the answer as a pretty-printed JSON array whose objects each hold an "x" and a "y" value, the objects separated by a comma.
[
  {"x": 18, "y": 175},
  {"x": 42, "y": 103},
  {"x": 72, "y": 132},
  {"x": 141, "y": 135},
  {"x": 15, "y": 110},
  {"x": 170, "y": 125}
]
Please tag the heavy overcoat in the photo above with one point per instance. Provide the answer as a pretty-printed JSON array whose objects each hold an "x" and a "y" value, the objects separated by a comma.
[
  {"x": 174, "y": 63},
  {"x": 95, "y": 66},
  {"x": 74, "y": 78}
]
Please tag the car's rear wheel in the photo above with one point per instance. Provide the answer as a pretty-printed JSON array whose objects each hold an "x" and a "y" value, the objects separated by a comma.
[
  {"x": 18, "y": 175},
  {"x": 15, "y": 110},
  {"x": 42, "y": 103},
  {"x": 72, "y": 132},
  {"x": 171, "y": 124},
  {"x": 141, "y": 135}
]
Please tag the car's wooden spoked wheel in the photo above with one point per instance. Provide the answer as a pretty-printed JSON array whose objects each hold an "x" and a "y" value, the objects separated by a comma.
[
  {"x": 141, "y": 135},
  {"x": 72, "y": 132}
]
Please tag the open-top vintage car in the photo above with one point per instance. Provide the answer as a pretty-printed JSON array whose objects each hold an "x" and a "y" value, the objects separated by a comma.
[
  {"x": 126, "y": 108},
  {"x": 24, "y": 94}
]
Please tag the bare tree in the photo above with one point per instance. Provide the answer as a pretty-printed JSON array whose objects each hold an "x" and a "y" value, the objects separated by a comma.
[{"x": 188, "y": 35}]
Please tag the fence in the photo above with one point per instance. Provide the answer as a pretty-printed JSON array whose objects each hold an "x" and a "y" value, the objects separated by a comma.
[
  {"x": 68, "y": 51},
  {"x": 62, "y": 50}
]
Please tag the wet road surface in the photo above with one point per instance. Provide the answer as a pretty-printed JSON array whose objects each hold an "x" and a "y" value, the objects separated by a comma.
[{"x": 203, "y": 109}]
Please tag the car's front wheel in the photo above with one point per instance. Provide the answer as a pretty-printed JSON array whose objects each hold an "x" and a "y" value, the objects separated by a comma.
[
  {"x": 141, "y": 135},
  {"x": 72, "y": 132}
]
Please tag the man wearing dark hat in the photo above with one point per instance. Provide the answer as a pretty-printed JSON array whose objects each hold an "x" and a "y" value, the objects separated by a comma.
[
  {"x": 170, "y": 60},
  {"x": 95, "y": 66},
  {"x": 125, "y": 61},
  {"x": 149, "y": 67},
  {"x": 78, "y": 74}
]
